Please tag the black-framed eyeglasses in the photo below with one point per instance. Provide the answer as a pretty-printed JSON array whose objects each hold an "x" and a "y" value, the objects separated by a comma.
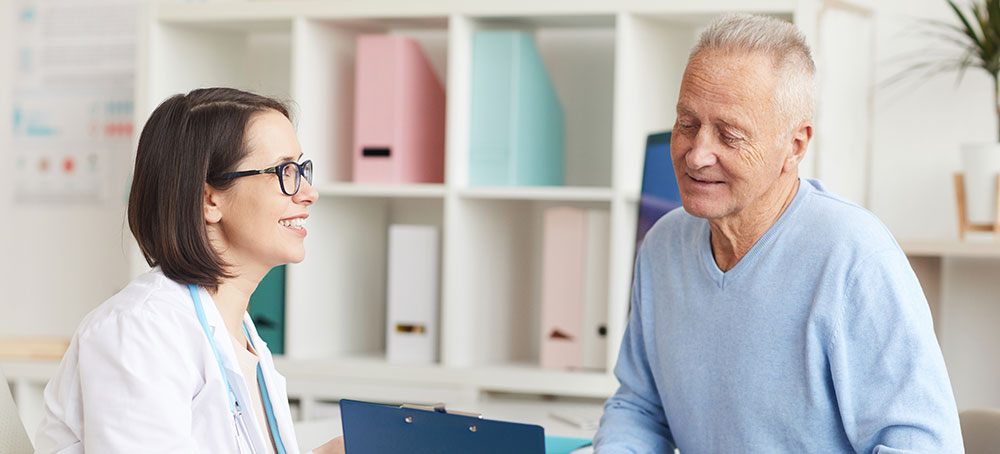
[{"x": 289, "y": 175}]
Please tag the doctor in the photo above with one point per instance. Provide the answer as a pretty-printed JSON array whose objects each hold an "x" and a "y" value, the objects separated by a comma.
[{"x": 173, "y": 363}]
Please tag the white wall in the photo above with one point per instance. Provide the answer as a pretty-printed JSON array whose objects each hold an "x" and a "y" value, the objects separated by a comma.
[
  {"x": 917, "y": 132},
  {"x": 6, "y": 57},
  {"x": 57, "y": 262}
]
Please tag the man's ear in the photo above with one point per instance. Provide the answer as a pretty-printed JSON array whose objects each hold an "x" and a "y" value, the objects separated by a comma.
[
  {"x": 211, "y": 206},
  {"x": 800, "y": 143}
]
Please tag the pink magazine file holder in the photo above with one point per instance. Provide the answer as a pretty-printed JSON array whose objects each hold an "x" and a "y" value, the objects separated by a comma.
[
  {"x": 399, "y": 113},
  {"x": 563, "y": 264}
]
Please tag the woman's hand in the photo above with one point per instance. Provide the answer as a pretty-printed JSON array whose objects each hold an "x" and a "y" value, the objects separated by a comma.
[{"x": 335, "y": 446}]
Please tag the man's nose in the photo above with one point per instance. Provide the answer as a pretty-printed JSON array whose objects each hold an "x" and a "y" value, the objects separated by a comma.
[{"x": 702, "y": 152}]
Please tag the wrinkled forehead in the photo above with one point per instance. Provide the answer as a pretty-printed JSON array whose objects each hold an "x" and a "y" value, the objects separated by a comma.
[{"x": 734, "y": 83}]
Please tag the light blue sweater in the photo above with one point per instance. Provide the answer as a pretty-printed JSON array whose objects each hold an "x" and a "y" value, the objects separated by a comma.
[{"x": 818, "y": 341}]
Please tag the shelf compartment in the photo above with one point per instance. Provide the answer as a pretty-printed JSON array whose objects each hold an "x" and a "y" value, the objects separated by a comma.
[
  {"x": 323, "y": 80},
  {"x": 249, "y": 55},
  {"x": 336, "y": 297},
  {"x": 570, "y": 47},
  {"x": 492, "y": 311}
]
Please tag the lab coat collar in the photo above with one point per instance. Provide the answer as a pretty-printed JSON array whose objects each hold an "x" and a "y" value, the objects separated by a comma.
[{"x": 276, "y": 383}]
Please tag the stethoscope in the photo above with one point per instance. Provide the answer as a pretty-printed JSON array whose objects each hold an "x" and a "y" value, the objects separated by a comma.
[{"x": 234, "y": 403}]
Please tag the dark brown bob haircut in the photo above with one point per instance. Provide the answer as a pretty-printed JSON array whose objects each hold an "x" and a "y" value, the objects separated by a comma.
[{"x": 187, "y": 140}]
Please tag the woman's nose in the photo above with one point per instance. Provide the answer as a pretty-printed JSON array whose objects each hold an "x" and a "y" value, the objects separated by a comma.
[{"x": 307, "y": 194}]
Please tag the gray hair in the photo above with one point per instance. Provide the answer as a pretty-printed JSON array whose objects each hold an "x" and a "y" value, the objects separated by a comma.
[{"x": 746, "y": 33}]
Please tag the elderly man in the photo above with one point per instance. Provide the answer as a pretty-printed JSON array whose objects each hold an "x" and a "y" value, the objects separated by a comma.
[{"x": 769, "y": 315}]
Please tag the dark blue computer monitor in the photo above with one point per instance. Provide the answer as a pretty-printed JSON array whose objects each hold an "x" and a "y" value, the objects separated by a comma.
[{"x": 659, "y": 185}]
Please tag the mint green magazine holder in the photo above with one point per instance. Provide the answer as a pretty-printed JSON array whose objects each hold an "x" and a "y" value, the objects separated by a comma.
[
  {"x": 267, "y": 309},
  {"x": 517, "y": 124}
]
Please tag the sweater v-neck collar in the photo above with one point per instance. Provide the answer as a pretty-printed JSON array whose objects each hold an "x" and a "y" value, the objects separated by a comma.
[{"x": 752, "y": 256}]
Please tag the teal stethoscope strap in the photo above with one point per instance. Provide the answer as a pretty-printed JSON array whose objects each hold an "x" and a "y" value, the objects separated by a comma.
[
  {"x": 271, "y": 422},
  {"x": 218, "y": 357},
  {"x": 234, "y": 404}
]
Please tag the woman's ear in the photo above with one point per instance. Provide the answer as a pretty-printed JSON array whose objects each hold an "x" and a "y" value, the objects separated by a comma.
[{"x": 211, "y": 208}]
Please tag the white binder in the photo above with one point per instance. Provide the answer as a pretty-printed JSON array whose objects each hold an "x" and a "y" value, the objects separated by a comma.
[{"x": 412, "y": 294}]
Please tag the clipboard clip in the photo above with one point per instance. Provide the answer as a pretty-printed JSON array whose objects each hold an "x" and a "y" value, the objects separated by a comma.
[{"x": 439, "y": 408}]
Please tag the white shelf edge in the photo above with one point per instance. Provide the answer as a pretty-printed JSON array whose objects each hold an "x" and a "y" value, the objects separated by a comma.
[
  {"x": 554, "y": 193},
  {"x": 518, "y": 378},
  {"x": 951, "y": 248},
  {"x": 379, "y": 190},
  {"x": 511, "y": 378},
  {"x": 287, "y": 10}
]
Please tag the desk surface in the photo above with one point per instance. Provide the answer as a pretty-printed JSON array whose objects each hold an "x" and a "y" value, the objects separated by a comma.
[{"x": 316, "y": 432}]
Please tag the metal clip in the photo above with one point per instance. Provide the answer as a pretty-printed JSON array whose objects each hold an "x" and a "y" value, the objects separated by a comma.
[{"x": 439, "y": 408}]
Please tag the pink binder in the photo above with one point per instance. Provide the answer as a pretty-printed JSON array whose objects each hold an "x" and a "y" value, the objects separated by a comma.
[
  {"x": 399, "y": 113},
  {"x": 563, "y": 270}
]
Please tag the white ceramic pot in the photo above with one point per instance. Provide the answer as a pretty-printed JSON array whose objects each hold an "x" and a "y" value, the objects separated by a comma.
[{"x": 981, "y": 164}]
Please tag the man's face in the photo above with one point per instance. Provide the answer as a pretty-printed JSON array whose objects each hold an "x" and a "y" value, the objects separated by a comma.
[{"x": 730, "y": 144}]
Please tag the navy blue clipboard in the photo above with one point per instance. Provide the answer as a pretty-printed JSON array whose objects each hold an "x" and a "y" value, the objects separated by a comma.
[{"x": 382, "y": 429}]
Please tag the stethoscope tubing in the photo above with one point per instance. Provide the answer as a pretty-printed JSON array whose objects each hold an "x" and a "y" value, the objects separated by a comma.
[{"x": 234, "y": 403}]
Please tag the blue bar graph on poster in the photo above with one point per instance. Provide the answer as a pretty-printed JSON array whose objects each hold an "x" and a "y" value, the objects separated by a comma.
[{"x": 517, "y": 123}]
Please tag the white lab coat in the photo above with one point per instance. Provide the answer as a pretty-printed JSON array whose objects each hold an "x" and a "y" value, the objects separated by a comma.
[{"x": 140, "y": 376}]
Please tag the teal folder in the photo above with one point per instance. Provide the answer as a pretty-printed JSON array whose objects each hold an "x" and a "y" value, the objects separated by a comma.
[
  {"x": 267, "y": 309},
  {"x": 516, "y": 124},
  {"x": 563, "y": 445},
  {"x": 382, "y": 429}
]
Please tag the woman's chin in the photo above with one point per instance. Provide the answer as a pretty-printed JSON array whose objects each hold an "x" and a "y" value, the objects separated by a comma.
[{"x": 297, "y": 258}]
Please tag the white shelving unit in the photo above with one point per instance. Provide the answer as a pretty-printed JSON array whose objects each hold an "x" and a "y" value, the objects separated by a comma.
[{"x": 616, "y": 66}]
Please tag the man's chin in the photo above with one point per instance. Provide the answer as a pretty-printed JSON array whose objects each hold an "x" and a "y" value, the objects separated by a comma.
[{"x": 701, "y": 208}]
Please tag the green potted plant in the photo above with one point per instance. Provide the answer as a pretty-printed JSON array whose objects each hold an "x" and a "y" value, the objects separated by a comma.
[{"x": 977, "y": 39}]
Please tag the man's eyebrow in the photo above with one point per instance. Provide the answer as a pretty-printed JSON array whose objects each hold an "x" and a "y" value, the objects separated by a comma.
[{"x": 734, "y": 126}]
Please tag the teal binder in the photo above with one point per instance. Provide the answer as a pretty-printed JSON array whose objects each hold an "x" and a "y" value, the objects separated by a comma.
[
  {"x": 267, "y": 309},
  {"x": 516, "y": 123}
]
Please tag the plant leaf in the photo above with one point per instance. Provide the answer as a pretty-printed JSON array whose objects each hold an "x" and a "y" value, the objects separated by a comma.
[
  {"x": 969, "y": 30},
  {"x": 977, "y": 38},
  {"x": 993, "y": 15},
  {"x": 961, "y": 41},
  {"x": 992, "y": 62},
  {"x": 922, "y": 70},
  {"x": 965, "y": 63},
  {"x": 986, "y": 42}
]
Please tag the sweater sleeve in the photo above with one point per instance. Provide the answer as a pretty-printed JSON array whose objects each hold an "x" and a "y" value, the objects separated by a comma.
[
  {"x": 634, "y": 420},
  {"x": 888, "y": 372}
]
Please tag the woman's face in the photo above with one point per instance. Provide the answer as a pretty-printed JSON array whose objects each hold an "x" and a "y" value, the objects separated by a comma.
[{"x": 259, "y": 225}]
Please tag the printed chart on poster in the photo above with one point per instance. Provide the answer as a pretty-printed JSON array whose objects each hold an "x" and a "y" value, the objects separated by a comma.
[{"x": 72, "y": 98}]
